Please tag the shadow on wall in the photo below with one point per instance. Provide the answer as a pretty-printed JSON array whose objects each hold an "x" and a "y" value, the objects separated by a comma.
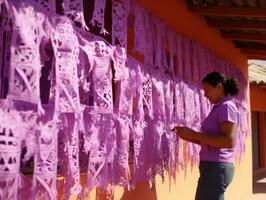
[{"x": 142, "y": 191}]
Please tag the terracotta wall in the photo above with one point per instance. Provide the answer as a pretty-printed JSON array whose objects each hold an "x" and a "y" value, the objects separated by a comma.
[
  {"x": 257, "y": 98},
  {"x": 176, "y": 15}
]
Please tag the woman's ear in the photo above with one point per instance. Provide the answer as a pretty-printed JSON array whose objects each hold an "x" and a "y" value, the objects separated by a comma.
[{"x": 219, "y": 85}]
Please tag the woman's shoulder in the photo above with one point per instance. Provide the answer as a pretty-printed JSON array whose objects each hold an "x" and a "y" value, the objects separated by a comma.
[
  {"x": 228, "y": 112},
  {"x": 229, "y": 104}
]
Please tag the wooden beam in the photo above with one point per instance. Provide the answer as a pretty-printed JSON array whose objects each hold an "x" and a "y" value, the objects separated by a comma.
[
  {"x": 245, "y": 37},
  {"x": 228, "y": 11},
  {"x": 256, "y": 57},
  {"x": 254, "y": 54},
  {"x": 251, "y": 46},
  {"x": 237, "y": 25},
  {"x": 252, "y": 50}
]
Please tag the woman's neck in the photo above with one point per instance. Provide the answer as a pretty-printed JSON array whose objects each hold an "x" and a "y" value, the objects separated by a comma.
[{"x": 220, "y": 98}]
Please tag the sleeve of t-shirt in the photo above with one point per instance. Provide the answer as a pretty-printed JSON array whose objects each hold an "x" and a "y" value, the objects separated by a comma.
[{"x": 228, "y": 113}]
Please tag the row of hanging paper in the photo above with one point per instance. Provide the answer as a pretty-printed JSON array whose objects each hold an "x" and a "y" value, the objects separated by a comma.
[{"x": 78, "y": 103}]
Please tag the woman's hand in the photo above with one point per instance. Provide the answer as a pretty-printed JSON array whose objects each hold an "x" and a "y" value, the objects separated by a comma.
[
  {"x": 187, "y": 134},
  {"x": 184, "y": 132}
]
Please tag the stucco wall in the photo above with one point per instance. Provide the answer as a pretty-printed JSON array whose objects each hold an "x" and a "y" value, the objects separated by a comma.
[{"x": 176, "y": 15}]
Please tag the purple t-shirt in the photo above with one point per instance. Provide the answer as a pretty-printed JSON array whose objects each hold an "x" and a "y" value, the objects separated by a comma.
[{"x": 223, "y": 111}]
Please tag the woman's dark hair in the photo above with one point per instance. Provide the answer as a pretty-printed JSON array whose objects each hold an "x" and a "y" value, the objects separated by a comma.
[{"x": 231, "y": 85}]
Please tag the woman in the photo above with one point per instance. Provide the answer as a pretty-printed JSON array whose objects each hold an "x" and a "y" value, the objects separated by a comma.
[{"x": 217, "y": 137}]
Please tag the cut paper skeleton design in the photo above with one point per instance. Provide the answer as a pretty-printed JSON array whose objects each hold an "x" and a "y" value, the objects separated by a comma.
[
  {"x": 12, "y": 134},
  {"x": 100, "y": 136},
  {"x": 67, "y": 105},
  {"x": 65, "y": 45},
  {"x": 25, "y": 66},
  {"x": 123, "y": 101},
  {"x": 119, "y": 22},
  {"x": 45, "y": 167},
  {"x": 74, "y": 10},
  {"x": 102, "y": 77},
  {"x": 98, "y": 15}
]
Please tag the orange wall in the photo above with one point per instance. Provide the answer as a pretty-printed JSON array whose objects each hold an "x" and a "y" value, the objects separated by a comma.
[
  {"x": 257, "y": 99},
  {"x": 175, "y": 14}
]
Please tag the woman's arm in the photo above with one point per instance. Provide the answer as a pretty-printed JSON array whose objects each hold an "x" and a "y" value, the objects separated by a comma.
[
  {"x": 192, "y": 140},
  {"x": 178, "y": 130},
  {"x": 225, "y": 140}
]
